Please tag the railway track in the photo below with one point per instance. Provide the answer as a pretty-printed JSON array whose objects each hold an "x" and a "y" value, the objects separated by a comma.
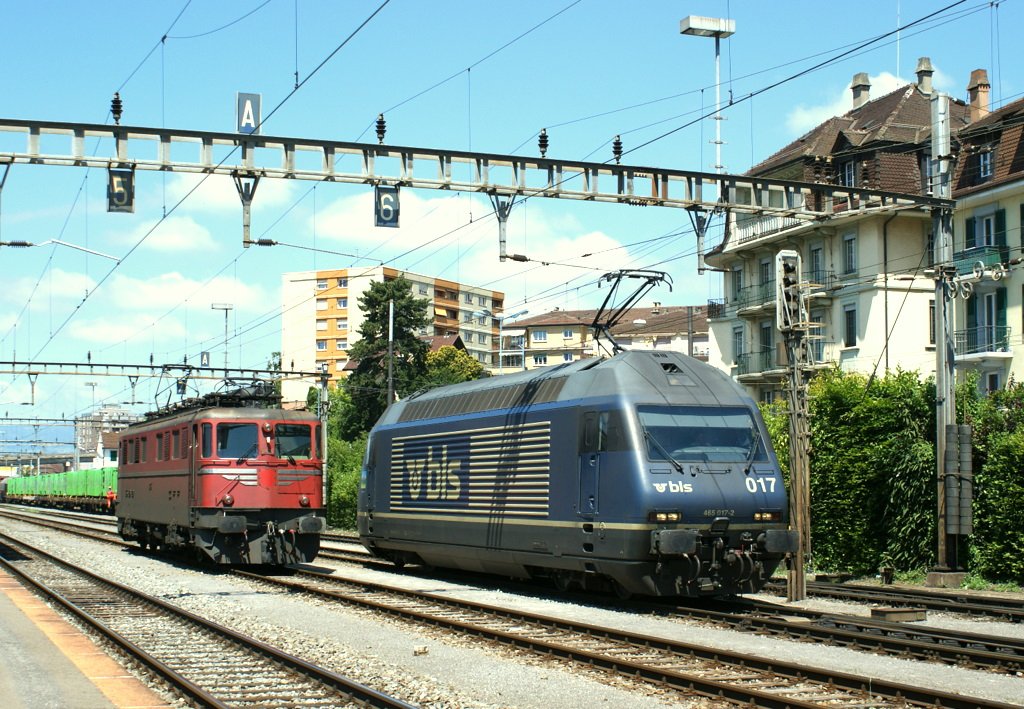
[
  {"x": 205, "y": 662},
  {"x": 927, "y": 643},
  {"x": 944, "y": 601},
  {"x": 713, "y": 673},
  {"x": 919, "y": 642}
]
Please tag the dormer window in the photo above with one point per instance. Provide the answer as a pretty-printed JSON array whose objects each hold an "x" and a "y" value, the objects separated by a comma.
[
  {"x": 847, "y": 173},
  {"x": 985, "y": 165}
]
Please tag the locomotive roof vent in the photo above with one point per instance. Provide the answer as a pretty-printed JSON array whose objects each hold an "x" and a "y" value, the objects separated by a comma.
[{"x": 671, "y": 368}]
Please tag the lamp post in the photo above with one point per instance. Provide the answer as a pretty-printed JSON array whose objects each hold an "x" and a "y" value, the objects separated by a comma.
[
  {"x": 226, "y": 307},
  {"x": 716, "y": 27}
]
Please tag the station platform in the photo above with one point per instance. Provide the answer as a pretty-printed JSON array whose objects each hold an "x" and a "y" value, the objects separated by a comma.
[{"x": 47, "y": 662}]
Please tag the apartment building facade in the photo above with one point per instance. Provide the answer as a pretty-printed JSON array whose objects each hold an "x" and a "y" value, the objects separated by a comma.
[
  {"x": 869, "y": 278},
  {"x": 321, "y": 319},
  {"x": 988, "y": 186},
  {"x": 561, "y": 336}
]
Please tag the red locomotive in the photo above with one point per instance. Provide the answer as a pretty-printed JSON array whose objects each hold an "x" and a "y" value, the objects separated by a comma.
[{"x": 236, "y": 484}]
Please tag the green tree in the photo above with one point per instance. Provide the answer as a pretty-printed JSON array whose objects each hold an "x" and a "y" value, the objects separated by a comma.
[
  {"x": 344, "y": 467},
  {"x": 449, "y": 365},
  {"x": 872, "y": 471},
  {"x": 368, "y": 384}
]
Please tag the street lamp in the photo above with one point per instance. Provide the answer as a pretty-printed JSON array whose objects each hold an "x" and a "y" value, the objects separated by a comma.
[
  {"x": 697, "y": 26},
  {"x": 226, "y": 307}
]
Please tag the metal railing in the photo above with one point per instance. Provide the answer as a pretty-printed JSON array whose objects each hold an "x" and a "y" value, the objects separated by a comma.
[
  {"x": 985, "y": 338},
  {"x": 755, "y": 362},
  {"x": 966, "y": 260}
]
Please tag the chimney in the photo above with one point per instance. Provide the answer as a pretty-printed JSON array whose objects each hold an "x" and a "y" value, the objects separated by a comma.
[
  {"x": 861, "y": 87},
  {"x": 924, "y": 75},
  {"x": 977, "y": 90}
]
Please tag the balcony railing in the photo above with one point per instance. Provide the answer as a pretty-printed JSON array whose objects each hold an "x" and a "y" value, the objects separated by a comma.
[
  {"x": 966, "y": 260},
  {"x": 754, "y": 296},
  {"x": 716, "y": 308},
  {"x": 978, "y": 340},
  {"x": 755, "y": 228},
  {"x": 820, "y": 280},
  {"x": 754, "y": 362}
]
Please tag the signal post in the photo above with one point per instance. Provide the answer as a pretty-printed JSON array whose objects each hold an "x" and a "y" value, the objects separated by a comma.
[{"x": 791, "y": 320}]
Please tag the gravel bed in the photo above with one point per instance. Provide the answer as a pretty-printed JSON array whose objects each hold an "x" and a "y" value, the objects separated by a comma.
[{"x": 433, "y": 668}]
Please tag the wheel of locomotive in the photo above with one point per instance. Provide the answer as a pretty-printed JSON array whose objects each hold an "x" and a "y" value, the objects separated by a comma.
[
  {"x": 562, "y": 580},
  {"x": 621, "y": 592}
]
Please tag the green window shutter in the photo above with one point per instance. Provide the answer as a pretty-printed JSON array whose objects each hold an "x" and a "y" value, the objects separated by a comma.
[
  {"x": 1000, "y": 307},
  {"x": 1004, "y": 253},
  {"x": 969, "y": 234},
  {"x": 972, "y": 313}
]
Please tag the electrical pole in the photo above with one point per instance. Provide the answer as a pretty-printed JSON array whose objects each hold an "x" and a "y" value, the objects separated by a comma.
[
  {"x": 945, "y": 414},
  {"x": 391, "y": 353}
]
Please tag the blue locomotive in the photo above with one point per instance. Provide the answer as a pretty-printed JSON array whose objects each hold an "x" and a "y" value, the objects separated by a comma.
[{"x": 647, "y": 472}]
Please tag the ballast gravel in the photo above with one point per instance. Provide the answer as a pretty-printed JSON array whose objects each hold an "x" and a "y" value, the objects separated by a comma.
[{"x": 433, "y": 668}]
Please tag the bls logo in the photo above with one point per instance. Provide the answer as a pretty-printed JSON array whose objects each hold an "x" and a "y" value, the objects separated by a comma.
[
  {"x": 435, "y": 477},
  {"x": 673, "y": 486}
]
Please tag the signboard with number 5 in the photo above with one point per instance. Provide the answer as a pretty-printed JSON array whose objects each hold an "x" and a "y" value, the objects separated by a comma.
[
  {"x": 385, "y": 206},
  {"x": 120, "y": 190}
]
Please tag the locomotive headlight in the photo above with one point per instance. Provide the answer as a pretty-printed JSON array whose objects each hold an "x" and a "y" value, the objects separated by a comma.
[
  {"x": 768, "y": 516},
  {"x": 664, "y": 516},
  {"x": 303, "y": 501},
  {"x": 228, "y": 500}
]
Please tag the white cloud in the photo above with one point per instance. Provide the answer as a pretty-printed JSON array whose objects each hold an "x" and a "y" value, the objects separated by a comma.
[
  {"x": 218, "y": 194},
  {"x": 56, "y": 284},
  {"x": 805, "y": 117},
  {"x": 167, "y": 290},
  {"x": 177, "y": 235}
]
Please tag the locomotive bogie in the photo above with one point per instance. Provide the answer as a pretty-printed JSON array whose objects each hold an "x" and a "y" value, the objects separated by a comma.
[{"x": 645, "y": 473}]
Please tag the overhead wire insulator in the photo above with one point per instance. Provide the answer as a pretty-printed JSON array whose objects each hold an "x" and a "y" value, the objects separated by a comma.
[
  {"x": 617, "y": 149},
  {"x": 542, "y": 142},
  {"x": 382, "y": 128},
  {"x": 116, "y": 108}
]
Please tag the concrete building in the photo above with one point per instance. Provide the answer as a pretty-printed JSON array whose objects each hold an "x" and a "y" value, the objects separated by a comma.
[
  {"x": 871, "y": 295},
  {"x": 321, "y": 319},
  {"x": 988, "y": 186}
]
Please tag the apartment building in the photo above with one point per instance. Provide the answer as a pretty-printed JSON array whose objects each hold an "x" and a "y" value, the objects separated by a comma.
[
  {"x": 988, "y": 186},
  {"x": 321, "y": 319},
  {"x": 566, "y": 336},
  {"x": 870, "y": 296}
]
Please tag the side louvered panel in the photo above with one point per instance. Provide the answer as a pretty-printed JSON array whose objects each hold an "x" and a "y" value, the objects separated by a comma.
[
  {"x": 483, "y": 471},
  {"x": 487, "y": 399}
]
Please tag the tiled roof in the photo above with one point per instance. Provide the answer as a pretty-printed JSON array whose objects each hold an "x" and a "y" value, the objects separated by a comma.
[
  {"x": 901, "y": 116},
  {"x": 1001, "y": 130},
  {"x": 436, "y": 342}
]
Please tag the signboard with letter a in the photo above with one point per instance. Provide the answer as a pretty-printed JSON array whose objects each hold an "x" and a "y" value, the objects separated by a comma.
[{"x": 247, "y": 112}]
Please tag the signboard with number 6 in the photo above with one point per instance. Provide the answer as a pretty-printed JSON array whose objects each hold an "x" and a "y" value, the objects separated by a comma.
[
  {"x": 120, "y": 190},
  {"x": 385, "y": 206}
]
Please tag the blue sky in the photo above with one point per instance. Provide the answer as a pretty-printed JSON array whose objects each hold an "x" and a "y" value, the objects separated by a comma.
[{"x": 457, "y": 75}]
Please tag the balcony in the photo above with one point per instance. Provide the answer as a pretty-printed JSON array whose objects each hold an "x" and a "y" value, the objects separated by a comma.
[
  {"x": 966, "y": 261},
  {"x": 753, "y": 365},
  {"x": 762, "y": 226},
  {"x": 981, "y": 343},
  {"x": 752, "y": 299},
  {"x": 820, "y": 283},
  {"x": 716, "y": 308}
]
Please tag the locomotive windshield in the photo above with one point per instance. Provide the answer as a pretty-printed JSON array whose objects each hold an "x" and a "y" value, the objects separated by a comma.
[
  {"x": 292, "y": 440},
  {"x": 237, "y": 440},
  {"x": 705, "y": 433}
]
